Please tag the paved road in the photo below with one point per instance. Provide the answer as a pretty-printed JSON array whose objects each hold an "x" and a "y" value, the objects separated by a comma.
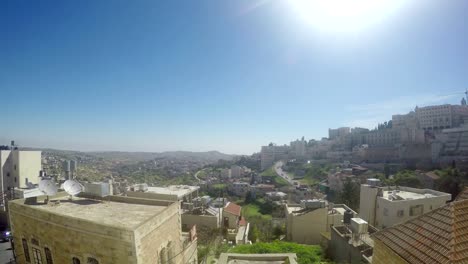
[
  {"x": 282, "y": 173},
  {"x": 196, "y": 175},
  {"x": 6, "y": 253}
]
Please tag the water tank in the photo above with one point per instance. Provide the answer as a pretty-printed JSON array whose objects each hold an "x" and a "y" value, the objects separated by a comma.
[
  {"x": 66, "y": 165},
  {"x": 358, "y": 226},
  {"x": 73, "y": 165},
  {"x": 347, "y": 217}
]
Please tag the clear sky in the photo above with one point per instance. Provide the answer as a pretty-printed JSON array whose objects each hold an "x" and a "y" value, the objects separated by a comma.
[{"x": 227, "y": 75}]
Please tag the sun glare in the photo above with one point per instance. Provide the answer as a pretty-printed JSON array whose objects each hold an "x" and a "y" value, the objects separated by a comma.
[{"x": 344, "y": 15}]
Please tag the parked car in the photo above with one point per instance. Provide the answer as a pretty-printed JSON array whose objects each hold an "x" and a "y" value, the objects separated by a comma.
[{"x": 5, "y": 234}]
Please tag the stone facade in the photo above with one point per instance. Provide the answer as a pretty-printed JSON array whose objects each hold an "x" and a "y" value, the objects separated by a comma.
[{"x": 59, "y": 234}]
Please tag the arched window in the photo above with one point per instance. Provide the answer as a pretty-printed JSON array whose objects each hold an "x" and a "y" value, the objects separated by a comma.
[
  {"x": 76, "y": 260},
  {"x": 26, "y": 250},
  {"x": 48, "y": 256},
  {"x": 92, "y": 261}
]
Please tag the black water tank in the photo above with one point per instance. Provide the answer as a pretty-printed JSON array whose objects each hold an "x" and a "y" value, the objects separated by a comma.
[{"x": 347, "y": 217}]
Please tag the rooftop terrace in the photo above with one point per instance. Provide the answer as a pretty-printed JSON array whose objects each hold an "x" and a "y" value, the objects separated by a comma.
[{"x": 112, "y": 213}]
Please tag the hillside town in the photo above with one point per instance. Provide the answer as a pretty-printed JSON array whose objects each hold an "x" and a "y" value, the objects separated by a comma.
[{"x": 355, "y": 196}]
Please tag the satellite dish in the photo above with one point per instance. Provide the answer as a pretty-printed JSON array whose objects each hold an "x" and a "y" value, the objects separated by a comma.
[
  {"x": 72, "y": 187},
  {"x": 48, "y": 187}
]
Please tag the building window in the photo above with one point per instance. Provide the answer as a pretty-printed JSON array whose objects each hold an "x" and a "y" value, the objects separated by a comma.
[
  {"x": 401, "y": 213},
  {"x": 92, "y": 261},
  {"x": 76, "y": 260},
  {"x": 48, "y": 256},
  {"x": 15, "y": 179},
  {"x": 37, "y": 255},
  {"x": 8, "y": 174},
  {"x": 416, "y": 210},
  {"x": 26, "y": 250},
  {"x": 15, "y": 166}
]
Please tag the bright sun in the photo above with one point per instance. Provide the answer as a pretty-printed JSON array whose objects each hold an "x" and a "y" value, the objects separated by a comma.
[{"x": 345, "y": 15}]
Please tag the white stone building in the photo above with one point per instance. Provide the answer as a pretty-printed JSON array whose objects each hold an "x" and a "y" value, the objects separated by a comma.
[{"x": 386, "y": 206}]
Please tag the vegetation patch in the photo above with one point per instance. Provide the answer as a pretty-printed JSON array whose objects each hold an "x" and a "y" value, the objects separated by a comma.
[{"x": 306, "y": 254}]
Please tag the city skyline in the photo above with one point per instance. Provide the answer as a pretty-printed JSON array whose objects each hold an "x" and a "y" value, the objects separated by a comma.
[{"x": 228, "y": 76}]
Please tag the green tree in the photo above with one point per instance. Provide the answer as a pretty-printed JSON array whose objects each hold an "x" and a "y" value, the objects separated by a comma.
[
  {"x": 350, "y": 194},
  {"x": 253, "y": 234}
]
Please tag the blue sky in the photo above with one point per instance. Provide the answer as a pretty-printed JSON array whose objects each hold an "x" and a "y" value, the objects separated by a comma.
[{"x": 227, "y": 75}]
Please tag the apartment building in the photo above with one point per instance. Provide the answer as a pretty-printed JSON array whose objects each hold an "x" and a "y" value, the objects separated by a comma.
[
  {"x": 387, "y": 206},
  {"x": 19, "y": 168},
  {"x": 338, "y": 132},
  {"x": 239, "y": 188},
  {"x": 237, "y": 171},
  {"x": 271, "y": 153},
  {"x": 115, "y": 230}
]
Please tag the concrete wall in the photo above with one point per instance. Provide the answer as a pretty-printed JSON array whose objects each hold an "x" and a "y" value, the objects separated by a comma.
[
  {"x": 306, "y": 228},
  {"x": 209, "y": 221},
  {"x": 29, "y": 165},
  {"x": 152, "y": 195},
  {"x": 384, "y": 255},
  {"x": 341, "y": 251},
  {"x": 367, "y": 203}
]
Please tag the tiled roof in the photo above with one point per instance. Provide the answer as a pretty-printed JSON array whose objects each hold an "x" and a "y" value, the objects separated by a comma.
[
  {"x": 233, "y": 209},
  {"x": 440, "y": 236},
  {"x": 463, "y": 195},
  {"x": 242, "y": 222}
]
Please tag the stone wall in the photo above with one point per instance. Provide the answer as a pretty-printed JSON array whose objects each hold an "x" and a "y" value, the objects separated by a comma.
[{"x": 69, "y": 237}]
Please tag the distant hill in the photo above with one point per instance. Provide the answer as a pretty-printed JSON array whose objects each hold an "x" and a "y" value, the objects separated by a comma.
[{"x": 206, "y": 156}]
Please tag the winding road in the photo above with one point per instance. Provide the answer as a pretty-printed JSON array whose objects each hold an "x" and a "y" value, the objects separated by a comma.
[{"x": 282, "y": 173}]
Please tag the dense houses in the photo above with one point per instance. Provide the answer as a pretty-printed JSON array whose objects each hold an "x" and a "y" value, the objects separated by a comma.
[{"x": 428, "y": 136}]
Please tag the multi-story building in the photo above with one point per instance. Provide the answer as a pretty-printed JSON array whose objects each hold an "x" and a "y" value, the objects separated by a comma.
[
  {"x": 114, "y": 230},
  {"x": 239, "y": 188},
  {"x": 451, "y": 145},
  {"x": 271, "y": 153},
  {"x": 338, "y": 132},
  {"x": 308, "y": 222},
  {"x": 236, "y": 171},
  {"x": 387, "y": 206},
  {"x": 19, "y": 172},
  {"x": 438, "y": 117},
  {"x": 439, "y": 236},
  {"x": 298, "y": 148},
  {"x": 19, "y": 168}
]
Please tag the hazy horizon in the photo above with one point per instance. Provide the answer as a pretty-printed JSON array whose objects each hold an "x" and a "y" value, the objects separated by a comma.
[{"x": 226, "y": 75}]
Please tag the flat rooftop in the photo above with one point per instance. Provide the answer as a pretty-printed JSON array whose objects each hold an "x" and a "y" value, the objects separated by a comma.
[
  {"x": 179, "y": 190},
  {"x": 117, "y": 214},
  {"x": 406, "y": 193}
]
